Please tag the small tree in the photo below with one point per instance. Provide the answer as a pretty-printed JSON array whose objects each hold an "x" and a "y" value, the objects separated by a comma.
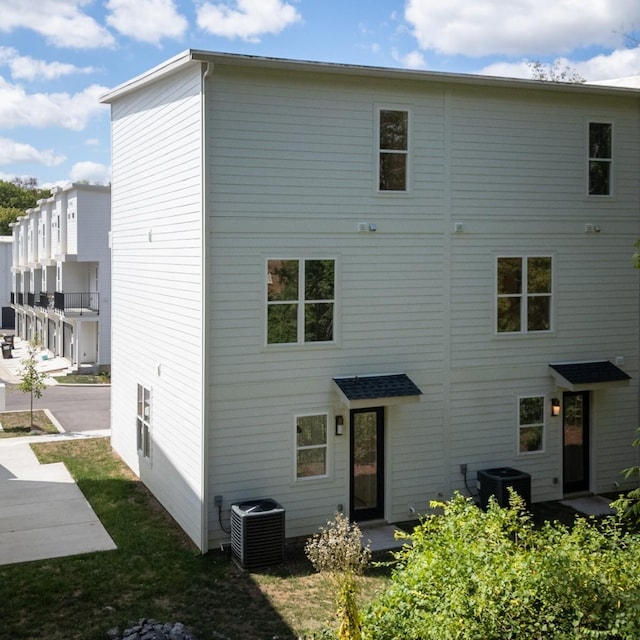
[
  {"x": 32, "y": 381},
  {"x": 337, "y": 551}
]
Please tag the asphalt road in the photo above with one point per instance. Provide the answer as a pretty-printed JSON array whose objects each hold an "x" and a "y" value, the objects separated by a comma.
[{"x": 76, "y": 408}]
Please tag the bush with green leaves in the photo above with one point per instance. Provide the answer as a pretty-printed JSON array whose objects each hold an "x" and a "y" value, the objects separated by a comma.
[
  {"x": 337, "y": 551},
  {"x": 471, "y": 574},
  {"x": 628, "y": 505}
]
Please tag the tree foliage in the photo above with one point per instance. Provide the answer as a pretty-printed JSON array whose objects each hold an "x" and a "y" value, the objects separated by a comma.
[
  {"x": 32, "y": 381},
  {"x": 554, "y": 72},
  {"x": 15, "y": 198},
  {"x": 472, "y": 574}
]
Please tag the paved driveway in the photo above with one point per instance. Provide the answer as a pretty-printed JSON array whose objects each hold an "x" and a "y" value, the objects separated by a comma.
[{"x": 76, "y": 408}]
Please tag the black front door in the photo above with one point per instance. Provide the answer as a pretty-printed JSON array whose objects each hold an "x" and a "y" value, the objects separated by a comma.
[
  {"x": 575, "y": 441},
  {"x": 367, "y": 464}
]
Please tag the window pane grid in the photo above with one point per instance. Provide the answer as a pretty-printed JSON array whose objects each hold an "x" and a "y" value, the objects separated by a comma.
[
  {"x": 143, "y": 421},
  {"x": 524, "y": 294},
  {"x": 311, "y": 446},
  {"x": 306, "y": 314},
  {"x": 531, "y": 424},
  {"x": 393, "y": 149},
  {"x": 600, "y": 158}
]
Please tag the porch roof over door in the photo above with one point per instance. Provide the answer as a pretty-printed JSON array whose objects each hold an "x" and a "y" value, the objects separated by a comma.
[
  {"x": 357, "y": 392},
  {"x": 583, "y": 376}
]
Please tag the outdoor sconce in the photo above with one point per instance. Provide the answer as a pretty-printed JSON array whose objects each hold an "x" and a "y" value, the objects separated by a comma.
[
  {"x": 555, "y": 407},
  {"x": 339, "y": 425}
]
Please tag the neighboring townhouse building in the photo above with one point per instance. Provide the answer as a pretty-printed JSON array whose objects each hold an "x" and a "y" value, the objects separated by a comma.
[
  {"x": 62, "y": 274},
  {"x": 7, "y": 314},
  {"x": 339, "y": 286}
]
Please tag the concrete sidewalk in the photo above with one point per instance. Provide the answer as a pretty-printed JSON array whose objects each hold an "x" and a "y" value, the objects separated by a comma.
[{"x": 43, "y": 513}]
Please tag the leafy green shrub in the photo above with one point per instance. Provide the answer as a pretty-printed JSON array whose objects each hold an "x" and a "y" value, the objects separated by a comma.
[
  {"x": 491, "y": 575},
  {"x": 337, "y": 551},
  {"x": 628, "y": 506}
]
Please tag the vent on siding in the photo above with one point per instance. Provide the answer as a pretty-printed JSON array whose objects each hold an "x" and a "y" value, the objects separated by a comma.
[{"x": 257, "y": 533}]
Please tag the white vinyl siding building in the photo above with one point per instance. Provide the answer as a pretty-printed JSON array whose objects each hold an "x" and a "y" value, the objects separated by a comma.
[{"x": 280, "y": 161}]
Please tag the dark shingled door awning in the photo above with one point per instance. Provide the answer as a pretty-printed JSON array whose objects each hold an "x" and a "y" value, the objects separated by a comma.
[
  {"x": 583, "y": 376},
  {"x": 357, "y": 392}
]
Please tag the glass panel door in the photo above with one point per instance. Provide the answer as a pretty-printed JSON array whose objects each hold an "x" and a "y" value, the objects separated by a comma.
[
  {"x": 575, "y": 441},
  {"x": 367, "y": 464}
]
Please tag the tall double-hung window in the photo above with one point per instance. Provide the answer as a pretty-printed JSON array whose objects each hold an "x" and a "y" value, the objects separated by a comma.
[
  {"x": 311, "y": 446},
  {"x": 143, "y": 422},
  {"x": 300, "y": 301},
  {"x": 393, "y": 150},
  {"x": 600, "y": 158},
  {"x": 531, "y": 424},
  {"x": 524, "y": 294}
]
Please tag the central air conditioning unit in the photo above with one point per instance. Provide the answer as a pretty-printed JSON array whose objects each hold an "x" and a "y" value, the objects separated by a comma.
[
  {"x": 257, "y": 533},
  {"x": 496, "y": 482}
]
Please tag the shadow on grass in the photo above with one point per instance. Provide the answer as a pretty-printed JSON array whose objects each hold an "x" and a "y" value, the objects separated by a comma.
[{"x": 155, "y": 573}]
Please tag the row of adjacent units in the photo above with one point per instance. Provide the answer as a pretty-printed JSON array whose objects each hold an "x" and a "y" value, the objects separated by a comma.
[{"x": 61, "y": 272}]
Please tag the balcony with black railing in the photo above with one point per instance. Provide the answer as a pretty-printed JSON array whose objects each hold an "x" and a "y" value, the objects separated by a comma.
[
  {"x": 31, "y": 299},
  {"x": 77, "y": 304},
  {"x": 44, "y": 300}
]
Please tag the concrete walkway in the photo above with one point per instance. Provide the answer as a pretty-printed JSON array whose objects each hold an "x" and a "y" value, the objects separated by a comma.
[{"x": 43, "y": 513}]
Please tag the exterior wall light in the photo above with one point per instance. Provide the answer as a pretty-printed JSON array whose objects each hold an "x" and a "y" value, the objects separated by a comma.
[
  {"x": 555, "y": 407},
  {"x": 339, "y": 425}
]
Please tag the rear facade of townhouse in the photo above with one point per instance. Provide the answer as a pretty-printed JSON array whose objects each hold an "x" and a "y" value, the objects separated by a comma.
[{"x": 334, "y": 286}]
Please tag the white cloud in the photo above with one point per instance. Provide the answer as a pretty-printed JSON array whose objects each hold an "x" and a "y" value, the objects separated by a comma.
[
  {"x": 412, "y": 60},
  {"x": 617, "y": 64},
  {"x": 26, "y": 68},
  {"x": 147, "y": 20},
  {"x": 519, "y": 27},
  {"x": 90, "y": 171},
  {"x": 12, "y": 152},
  {"x": 249, "y": 20},
  {"x": 38, "y": 110},
  {"x": 62, "y": 22}
]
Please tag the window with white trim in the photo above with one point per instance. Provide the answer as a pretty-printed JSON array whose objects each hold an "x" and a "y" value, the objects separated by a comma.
[
  {"x": 531, "y": 424},
  {"x": 143, "y": 422},
  {"x": 523, "y": 294},
  {"x": 600, "y": 158},
  {"x": 393, "y": 150},
  {"x": 311, "y": 446},
  {"x": 300, "y": 301}
]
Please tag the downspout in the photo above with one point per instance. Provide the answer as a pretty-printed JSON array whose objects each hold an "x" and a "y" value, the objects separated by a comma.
[{"x": 204, "y": 237}]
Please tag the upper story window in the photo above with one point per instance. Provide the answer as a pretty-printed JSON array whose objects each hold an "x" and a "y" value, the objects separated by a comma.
[
  {"x": 531, "y": 424},
  {"x": 600, "y": 158},
  {"x": 311, "y": 446},
  {"x": 524, "y": 294},
  {"x": 393, "y": 150},
  {"x": 300, "y": 301}
]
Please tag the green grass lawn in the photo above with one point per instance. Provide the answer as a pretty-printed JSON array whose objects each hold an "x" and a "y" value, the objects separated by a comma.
[
  {"x": 155, "y": 573},
  {"x": 19, "y": 423},
  {"x": 83, "y": 378}
]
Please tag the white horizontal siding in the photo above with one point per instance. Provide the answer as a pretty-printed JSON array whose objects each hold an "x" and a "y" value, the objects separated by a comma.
[{"x": 157, "y": 287}]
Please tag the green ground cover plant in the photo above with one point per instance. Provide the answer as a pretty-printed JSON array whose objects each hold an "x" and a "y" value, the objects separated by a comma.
[
  {"x": 84, "y": 378},
  {"x": 493, "y": 575}
]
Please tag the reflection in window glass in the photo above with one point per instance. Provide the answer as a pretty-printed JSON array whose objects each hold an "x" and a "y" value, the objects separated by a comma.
[
  {"x": 600, "y": 158},
  {"x": 524, "y": 294},
  {"x": 311, "y": 446},
  {"x": 393, "y": 150},
  {"x": 300, "y": 301},
  {"x": 531, "y": 424}
]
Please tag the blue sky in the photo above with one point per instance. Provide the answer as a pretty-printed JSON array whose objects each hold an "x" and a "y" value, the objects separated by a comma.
[{"x": 58, "y": 56}]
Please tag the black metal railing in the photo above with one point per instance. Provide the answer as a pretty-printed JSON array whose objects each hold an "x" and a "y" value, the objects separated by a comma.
[
  {"x": 79, "y": 303},
  {"x": 31, "y": 299},
  {"x": 13, "y": 297},
  {"x": 44, "y": 300},
  {"x": 20, "y": 297}
]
